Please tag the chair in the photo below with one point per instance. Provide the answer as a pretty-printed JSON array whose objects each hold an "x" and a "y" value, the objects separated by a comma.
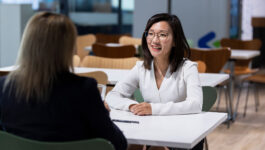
[
  {"x": 242, "y": 66},
  {"x": 215, "y": 59},
  {"x": 102, "y": 62},
  {"x": 82, "y": 42},
  {"x": 103, "y": 50},
  {"x": 127, "y": 40},
  {"x": 201, "y": 66},
  {"x": 258, "y": 78},
  {"x": 113, "y": 63},
  {"x": 108, "y": 38},
  {"x": 12, "y": 142},
  {"x": 102, "y": 79},
  {"x": 76, "y": 60}
]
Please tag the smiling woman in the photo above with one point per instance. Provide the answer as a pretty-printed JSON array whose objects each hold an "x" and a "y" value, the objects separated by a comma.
[{"x": 168, "y": 82}]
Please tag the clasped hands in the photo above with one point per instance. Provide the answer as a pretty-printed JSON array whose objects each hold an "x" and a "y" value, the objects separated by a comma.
[{"x": 141, "y": 109}]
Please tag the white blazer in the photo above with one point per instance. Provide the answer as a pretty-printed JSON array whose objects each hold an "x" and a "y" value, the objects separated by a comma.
[{"x": 179, "y": 92}]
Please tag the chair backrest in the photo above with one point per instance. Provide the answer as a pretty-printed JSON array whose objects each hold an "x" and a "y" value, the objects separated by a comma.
[
  {"x": 115, "y": 63},
  {"x": 102, "y": 79},
  {"x": 127, "y": 40},
  {"x": 76, "y": 60},
  {"x": 12, "y": 142},
  {"x": 254, "y": 44},
  {"x": 108, "y": 38},
  {"x": 201, "y": 66},
  {"x": 123, "y": 51},
  {"x": 82, "y": 42},
  {"x": 209, "y": 97},
  {"x": 215, "y": 59}
]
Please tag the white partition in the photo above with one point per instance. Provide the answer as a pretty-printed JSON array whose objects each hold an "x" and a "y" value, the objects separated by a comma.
[{"x": 13, "y": 18}]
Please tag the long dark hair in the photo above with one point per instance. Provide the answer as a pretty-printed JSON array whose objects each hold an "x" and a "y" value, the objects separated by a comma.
[{"x": 178, "y": 52}]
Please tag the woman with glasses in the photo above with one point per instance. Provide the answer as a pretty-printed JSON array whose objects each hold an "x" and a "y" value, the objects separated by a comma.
[
  {"x": 42, "y": 99},
  {"x": 168, "y": 81}
]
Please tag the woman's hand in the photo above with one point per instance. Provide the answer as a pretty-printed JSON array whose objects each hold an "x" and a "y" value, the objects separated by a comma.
[
  {"x": 106, "y": 106},
  {"x": 141, "y": 109}
]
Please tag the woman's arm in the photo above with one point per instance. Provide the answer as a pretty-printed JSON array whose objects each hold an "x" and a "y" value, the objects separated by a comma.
[{"x": 121, "y": 95}]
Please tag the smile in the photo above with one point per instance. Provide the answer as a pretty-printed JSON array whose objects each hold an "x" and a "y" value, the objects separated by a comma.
[{"x": 157, "y": 48}]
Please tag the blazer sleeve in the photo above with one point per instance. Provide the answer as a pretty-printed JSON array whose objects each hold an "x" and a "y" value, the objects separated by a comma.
[
  {"x": 194, "y": 99},
  {"x": 99, "y": 119},
  {"x": 120, "y": 97}
]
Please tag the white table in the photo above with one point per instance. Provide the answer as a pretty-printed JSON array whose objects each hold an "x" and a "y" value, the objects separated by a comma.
[
  {"x": 115, "y": 75},
  {"x": 89, "y": 48},
  {"x": 243, "y": 54},
  {"x": 178, "y": 131}
]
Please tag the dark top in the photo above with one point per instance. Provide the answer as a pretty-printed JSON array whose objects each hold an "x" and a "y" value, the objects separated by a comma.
[{"x": 74, "y": 111}]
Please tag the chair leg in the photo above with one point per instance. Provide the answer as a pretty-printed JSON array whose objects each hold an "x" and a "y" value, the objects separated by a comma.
[
  {"x": 246, "y": 104},
  {"x": 238, "y": 98},
  {"x": 219, "y": 98},
  {"x": 206, "y": 144},
  {"x": 227, "y": 107},
  {"x": 256, "y": 92}
]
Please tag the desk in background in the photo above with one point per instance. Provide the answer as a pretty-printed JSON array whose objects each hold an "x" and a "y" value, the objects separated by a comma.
[
  {"x": 115, "y": 75},
  {"x": 178, "y": 131}
]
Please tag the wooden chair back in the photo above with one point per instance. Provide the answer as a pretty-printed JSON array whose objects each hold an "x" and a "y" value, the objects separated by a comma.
[
  {"x": 82, "y": 42},
  {"x": 215, "y": 59},
  {"x": 101, "y": 78},
  {"x": 254, "y": 44},
  {"x": 201, "y": 66},
  {"x": 108, "y": 38},
  {"x": 102, "y": 62},
  {"x": 127, "y": 40},
  {"x": 103, "y": 50},
  {"x": 76, "y": 60}
]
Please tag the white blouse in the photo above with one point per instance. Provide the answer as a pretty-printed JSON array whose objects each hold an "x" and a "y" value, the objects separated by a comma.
[{"x": 179, "y": 92}]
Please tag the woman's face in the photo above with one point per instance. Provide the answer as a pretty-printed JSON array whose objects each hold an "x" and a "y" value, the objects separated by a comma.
[{"x": 160, "y": 40}]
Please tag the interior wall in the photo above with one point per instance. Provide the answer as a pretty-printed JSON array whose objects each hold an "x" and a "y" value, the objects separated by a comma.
[
  {"x": 143, "y": 10},
  {"x": 199, "y": 18},
  {"x": 206, "y": 19}
]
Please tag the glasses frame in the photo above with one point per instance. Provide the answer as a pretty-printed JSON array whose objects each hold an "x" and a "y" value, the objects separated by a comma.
[{"x": 155, "y": 35}]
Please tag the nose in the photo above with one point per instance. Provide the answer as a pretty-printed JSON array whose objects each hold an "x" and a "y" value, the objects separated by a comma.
[{"x": 156, "y": 38}]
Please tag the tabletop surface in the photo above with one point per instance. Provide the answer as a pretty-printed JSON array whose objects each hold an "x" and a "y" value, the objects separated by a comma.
[
  {"x": 115, "y": 75},
  {"x": 244, "y": 54},
  {"x": 181, "y": 131}
]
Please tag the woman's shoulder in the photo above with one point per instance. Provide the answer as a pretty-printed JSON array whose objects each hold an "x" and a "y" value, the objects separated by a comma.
[
  {"x": 77, "y": 81},
  {"x": 140, "y": 64},
  {"x": 188, "y": 63}
]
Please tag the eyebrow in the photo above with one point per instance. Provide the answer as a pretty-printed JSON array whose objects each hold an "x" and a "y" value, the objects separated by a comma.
[{"x": 159, "y": 31}]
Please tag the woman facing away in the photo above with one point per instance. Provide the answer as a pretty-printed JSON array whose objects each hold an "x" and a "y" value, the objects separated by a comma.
[
  {"x": 168, "y": 82},
  {"x": 42, "y": 99}
]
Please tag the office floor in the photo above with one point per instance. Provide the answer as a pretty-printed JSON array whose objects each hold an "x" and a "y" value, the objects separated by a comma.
[{"x": 245, "y": 133}]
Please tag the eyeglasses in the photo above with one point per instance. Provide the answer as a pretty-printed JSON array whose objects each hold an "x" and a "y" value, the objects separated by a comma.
[{"x": 151, "y": 35}]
